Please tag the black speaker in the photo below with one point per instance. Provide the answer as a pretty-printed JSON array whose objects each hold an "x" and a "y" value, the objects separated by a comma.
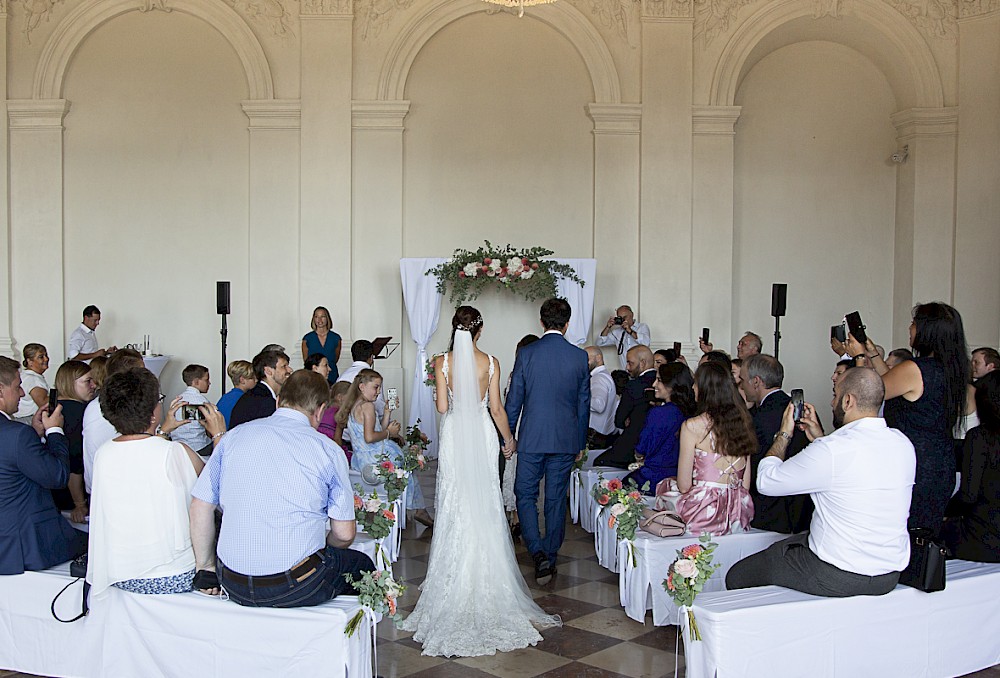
[
  {"x": 778, "y": 293},
  {"x": 222, "y": 298}
]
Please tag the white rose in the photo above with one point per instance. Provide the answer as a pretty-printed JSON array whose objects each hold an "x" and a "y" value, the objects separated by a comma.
[
  {"x": 491, "y": 273},
  {"x": 618, "y": 509},
  {"x": 400, "y": 473},
  {"x": 496, "y": 265},
  {"x": 514, "y": 264},
  {"x": 527, "y": 274},
  {"x": 686, "y": 568},
  {"x": 372, "y": 505},
  {"x": 471, "y": 270}
]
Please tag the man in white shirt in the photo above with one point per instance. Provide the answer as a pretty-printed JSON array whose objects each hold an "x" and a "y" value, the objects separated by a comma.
[
  {"x": 860, "y": 478},
  {"x": 83, "y": 342},
  {"x": 603, "y": 401},
  {"x": 623, "y": 332}
]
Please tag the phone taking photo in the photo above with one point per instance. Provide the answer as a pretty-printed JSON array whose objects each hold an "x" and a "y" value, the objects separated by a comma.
[
  {"x": 856, "y": 327},
  {"x": 677, "y": 348},
  {"x": 53, "y": 400},
  {"x": 704, "y": 335},
  {"x": 391, "y": 398},
  {"x": 798, "y": 404},
  {"x": 839, "y": 332}
]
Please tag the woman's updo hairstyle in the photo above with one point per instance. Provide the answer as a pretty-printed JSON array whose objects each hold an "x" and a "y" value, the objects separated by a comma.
[{"x": 466, "y": 318}]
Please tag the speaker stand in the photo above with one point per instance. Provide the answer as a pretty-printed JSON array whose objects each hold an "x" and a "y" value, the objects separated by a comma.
[
  {"x": 225, "y": 335},
  {"x": 777, "y": 334}
]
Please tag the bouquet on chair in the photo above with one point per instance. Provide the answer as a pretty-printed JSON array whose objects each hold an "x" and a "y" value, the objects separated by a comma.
[
  {"x": 687, "y": 575},
  {"x": 375, "y": 518},
  {"x": 413, "y": 451},
  {"x": 392, "y": 477},
  {"x": 623, "y": 503},
  {"x": 377, "y": 593}
]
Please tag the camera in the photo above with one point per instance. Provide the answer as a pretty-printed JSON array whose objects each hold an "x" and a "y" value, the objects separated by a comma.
[
  {"x": 619, "y": 320},
  {"x": 189, "y": 413},
  {"x": 798, "y": 402}
]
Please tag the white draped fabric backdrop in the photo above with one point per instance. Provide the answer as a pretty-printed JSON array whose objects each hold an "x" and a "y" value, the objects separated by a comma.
[{"x": 423, "y": 311}]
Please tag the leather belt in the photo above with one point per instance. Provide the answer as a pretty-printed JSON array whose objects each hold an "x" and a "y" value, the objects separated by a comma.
[{"x": 296, "y": 573}]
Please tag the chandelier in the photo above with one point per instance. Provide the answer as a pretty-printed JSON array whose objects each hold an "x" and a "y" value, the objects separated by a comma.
[{"x": 520, "y": 4}]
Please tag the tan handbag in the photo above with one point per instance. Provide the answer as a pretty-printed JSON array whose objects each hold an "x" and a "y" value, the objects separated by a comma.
[{"x": 662, "y": 523}]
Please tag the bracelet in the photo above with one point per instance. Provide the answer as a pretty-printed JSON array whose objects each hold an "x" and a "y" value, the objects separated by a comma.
[
  {"x": 218, "y": 435},
  {"x": 872, "y": 357}
]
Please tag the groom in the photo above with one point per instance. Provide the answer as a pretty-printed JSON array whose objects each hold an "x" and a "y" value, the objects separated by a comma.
[{"x": 550, "y": 386}]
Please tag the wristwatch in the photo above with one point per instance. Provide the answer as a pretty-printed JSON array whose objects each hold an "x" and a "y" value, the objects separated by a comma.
[{"x": 781, "y": 434}]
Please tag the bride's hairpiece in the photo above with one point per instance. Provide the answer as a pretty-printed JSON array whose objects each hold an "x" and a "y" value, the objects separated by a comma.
[{"x": 471, "y": 327}]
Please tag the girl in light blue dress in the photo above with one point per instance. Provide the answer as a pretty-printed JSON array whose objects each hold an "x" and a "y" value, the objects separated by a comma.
[{"x": 372, "y": 437}]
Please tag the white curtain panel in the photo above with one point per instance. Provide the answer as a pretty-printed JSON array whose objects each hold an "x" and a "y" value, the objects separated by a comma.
[
  {"x": 581, "y": 299},
  {"x": 423, "y": 310}
]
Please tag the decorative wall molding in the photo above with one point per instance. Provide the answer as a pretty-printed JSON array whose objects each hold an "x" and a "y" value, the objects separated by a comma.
[
  {"x": 827, "y": 8},
  {"x": 35, "y": 12},
  {"x": 274, "y": 114},
  {"x": 935, "y": 18},
  {"x": 968, "y": 9},
  {"x": 3, "y": 15},
  {"x": 326, "y": 8},
  {"x": 150, "y": 5},
  {"x": 908, "y": 47},
  {"x": 89, "y": 14},
  {"x": 616, "y": 118},
  {"x": 268, "y": 13},
  {"x": 36, "y": 114},
  {"x": 376, "y": 15},
  {"x": 563, "y": 17},
  {"x": 618, "y": 15},
  {"x": 714, "y": 120},
  {"x": 379, "y": 114},
  {"x": 916, "y": 123},
  {"x": 658, "y": 10}
]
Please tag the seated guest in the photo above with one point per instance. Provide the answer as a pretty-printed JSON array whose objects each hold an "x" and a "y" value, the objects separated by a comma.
[
  {"x": 898, "y": 355},
  {"x": 36, "y": 389},
  {"x": 363, "y": 355},
  {"x": 281, "y": 485},
  {"x": 748, "y": 345},
  {"x": 241, "y": 374},
  {"x": 76, "y": 388},
  {"x": 630, "y": 415},
  {"x": 193, "y": 433},
  {"x": 139, "y": 529},
  {"x": 373, "y": 436},
  {"x": 716, "y": 357},
  {"x": 271, "y": 369},
  {"x": 620, "y": 377},
  {"x": 33, "y": 535},
  {"x": 329, "y": 426},
  {"x": 738, "y": 378},
  {"x": 975, "y": 533},
  {"x": 663, "y": 356},
  {"x": 839, "y": 370},
  {"x": 99, "y": 370},
  {"x": 96, "y": 429},
  {"x": 659, "y": 443},
  {"x": 318, "y": 363},
  {"x": 860, "y": 477},
  {"x": 715, "y": 449},
  {"x": 984, "y": 361},
  {"x": 603, "y": 402},
  {"x": 762, "y": 378}
]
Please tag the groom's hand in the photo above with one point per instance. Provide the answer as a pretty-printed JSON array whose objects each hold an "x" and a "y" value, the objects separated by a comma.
[{"x": 579, "y": 455}]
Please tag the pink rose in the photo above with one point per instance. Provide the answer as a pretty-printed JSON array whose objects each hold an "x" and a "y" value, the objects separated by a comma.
[
  {"x": 686, "y": 568},
  {"x": 487, "y": 261},
  {"x": 461, "y": 274}
]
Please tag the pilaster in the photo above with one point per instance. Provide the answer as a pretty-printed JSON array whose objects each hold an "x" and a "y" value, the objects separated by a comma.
[{"x": 6, "y": 336}]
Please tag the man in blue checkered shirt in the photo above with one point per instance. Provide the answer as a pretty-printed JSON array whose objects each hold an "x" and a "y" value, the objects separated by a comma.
[{"x": 281, "y": 486}]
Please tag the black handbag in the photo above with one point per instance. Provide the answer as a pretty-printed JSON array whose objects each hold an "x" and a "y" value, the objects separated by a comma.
[{"x": 927, "y": 557}]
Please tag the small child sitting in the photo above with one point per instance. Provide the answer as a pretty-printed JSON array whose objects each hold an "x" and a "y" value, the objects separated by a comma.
[{"x": 193, "y": 434}]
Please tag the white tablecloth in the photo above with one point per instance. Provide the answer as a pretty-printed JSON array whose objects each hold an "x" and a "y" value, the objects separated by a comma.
[
  {"x": 773, "y": 631},
  {"x": 183, "y": 634},
  {"x": 155, "y": 363},
  {"x": 364, "y": 543},
  {"x": 582, "y": 507},
  {"x": 641, "y": 585}
]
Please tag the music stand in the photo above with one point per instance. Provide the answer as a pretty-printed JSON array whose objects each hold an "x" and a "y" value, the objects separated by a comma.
[{"x": 382, "y": 344}]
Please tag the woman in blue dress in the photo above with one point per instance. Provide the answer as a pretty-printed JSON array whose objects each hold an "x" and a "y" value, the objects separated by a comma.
[
  {"x": 323, "y": 340},
  {"x": 372, "y": 436}
]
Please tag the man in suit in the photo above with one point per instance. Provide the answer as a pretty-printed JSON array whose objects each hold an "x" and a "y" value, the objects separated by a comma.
[
  {"x": 762, "y": 376},
  {"x": 271, "y": 369},
  {"x": 33, "y": 535},
  {"x": 550, "y": 393},
  {"x": 632, "y": 408}
]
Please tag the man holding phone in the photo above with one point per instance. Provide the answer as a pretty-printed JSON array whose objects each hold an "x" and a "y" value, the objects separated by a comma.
[{"x": 624, "y": 332}]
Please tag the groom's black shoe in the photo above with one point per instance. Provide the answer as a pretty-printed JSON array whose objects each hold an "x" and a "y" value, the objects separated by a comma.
[{"x": 543, "y": 569}]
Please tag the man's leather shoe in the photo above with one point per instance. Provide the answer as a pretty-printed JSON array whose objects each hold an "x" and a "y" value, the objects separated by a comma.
[{"x": 543, "y": 569}]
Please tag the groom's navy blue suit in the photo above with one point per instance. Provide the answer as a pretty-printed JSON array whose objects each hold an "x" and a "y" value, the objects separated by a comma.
[{"x": 550, "y": 394}]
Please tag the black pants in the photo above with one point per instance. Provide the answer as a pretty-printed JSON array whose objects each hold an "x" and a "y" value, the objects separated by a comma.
[{"x": 792, "y": 564}]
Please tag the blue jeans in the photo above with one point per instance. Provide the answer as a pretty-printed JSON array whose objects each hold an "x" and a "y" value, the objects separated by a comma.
[
  {"x": 555, "y": 469},
  {"x": 326, "y": 583}
]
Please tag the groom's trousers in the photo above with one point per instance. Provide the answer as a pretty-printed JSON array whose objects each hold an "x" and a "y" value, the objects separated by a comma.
[{"x": 555, "y": 469}]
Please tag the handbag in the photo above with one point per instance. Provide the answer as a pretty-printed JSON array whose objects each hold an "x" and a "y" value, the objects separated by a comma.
[
  {"x": 926, "y": 568},
  {"x": 661, "y": 523}
]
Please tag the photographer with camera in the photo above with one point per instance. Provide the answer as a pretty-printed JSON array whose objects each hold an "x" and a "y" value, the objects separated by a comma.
[
  {"x": 623, "y": 332},
  {"x": 193, "y": 434}
]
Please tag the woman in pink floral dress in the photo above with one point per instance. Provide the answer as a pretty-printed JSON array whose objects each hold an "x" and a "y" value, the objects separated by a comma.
[{"x": 715, "y": 449}]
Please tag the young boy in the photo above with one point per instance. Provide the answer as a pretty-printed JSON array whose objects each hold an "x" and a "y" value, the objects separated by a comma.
[
  {"x": 241, "y": 372},
  {"x": 193, "y": 434}
]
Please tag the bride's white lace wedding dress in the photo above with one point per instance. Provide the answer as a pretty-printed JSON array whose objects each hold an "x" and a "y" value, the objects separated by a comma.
[{"x": 473, "y": 600}]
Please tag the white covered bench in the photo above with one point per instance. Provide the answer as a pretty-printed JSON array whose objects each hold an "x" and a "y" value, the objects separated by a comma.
[
  {"x": 772, "y": 631},
  {"x": 183, "y": 635},
  {"x": 582, "y": 507}
]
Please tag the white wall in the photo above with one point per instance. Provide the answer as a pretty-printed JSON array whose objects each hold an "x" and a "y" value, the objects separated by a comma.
[{"x": 814, "y": 204}]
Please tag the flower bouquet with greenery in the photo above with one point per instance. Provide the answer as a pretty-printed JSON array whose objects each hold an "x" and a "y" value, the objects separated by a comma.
[
  {"x": 377, "y": 592},
  {"x": 375, "y": 518},
  {"x": 520, "y": 271},
  {"x": 687, "y": 575},
  {"x": 392, "y": 477},
  {"x": 430, "y": 380},
  {"x": 624, "y": 504},
  {"x": 416, "y": 446}
]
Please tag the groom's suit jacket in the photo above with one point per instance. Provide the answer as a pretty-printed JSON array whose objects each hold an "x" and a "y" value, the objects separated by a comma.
[{"x": 550, "y": 394}]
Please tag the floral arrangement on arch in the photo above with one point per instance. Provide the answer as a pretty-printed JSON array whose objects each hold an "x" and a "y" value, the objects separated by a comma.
[
  {"x": 430, "y": 379},
  {"x": 520, "y": 271},
  {"x": 375, "y": 518},
  {"x": 416, "y": 446},
  {"x": 624, "y": 504},
  {"x": 687, "y": 575},
  {"x": 377, "y": 592},
  {"x": 392, "y": 477}
]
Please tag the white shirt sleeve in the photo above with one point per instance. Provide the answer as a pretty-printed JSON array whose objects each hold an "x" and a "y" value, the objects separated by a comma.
[
  {"x": 608, "y": 339},
  {"x": 600, "y": 394},
  {"x": 811, "y": 470},
  {"x": 642, "y": 334},
  {"x": 75, "y": 344}
]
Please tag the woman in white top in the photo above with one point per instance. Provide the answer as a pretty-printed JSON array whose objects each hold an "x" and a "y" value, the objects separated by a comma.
[
  {"x": 36, "y": 389},
  {"x": 139, "y": 535}
]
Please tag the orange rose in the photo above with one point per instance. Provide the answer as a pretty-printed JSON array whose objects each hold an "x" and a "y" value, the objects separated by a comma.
[
  {"x": 388, "y": 514},
  {"x": 670, "y": 581},
  {"x": 392, "y": 606},
  {"x": 691, "y": 550},
  {"x": 611, "y": 521},
  {"x": 614, "y": 484},
  {"x": 635, "y": 495},
  {"x": 357, "y": 502},
  {"x": 603, "y": 500}
]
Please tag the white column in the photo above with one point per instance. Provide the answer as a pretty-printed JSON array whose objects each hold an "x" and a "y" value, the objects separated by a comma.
[
  {"x": 36, "y": 223},
  {"x": 616, "y": 207},
  {"x": 712, "y": 291},
  {"x": 326, "y": 90},
  {"x": 924, "y": 254},
  {"x": 6, "y": 342},
  {"x": 273, "y": 224}
]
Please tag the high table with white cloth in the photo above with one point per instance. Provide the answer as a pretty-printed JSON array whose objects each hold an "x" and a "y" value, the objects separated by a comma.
[
  {"x": 182, "y": 634},
  {"x": 773, "y": 631},
  {"x": 641, "y": 585},
  {"x": 391, "y": 543},
  {"x": 155, "y": 363},
  {"x": 582, "y": 507}
]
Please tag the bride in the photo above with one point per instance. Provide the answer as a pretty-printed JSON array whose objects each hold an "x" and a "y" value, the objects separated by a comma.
[{"x": 473, "y": 600}]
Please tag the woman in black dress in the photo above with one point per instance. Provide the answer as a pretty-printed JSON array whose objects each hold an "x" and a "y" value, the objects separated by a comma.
[
  {"x": 924, "y": 398},
  {"x": 76, "y": 388}
]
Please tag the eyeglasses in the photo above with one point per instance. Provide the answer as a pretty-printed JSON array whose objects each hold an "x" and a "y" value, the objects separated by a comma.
[{"x": 161, "y": 398}]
